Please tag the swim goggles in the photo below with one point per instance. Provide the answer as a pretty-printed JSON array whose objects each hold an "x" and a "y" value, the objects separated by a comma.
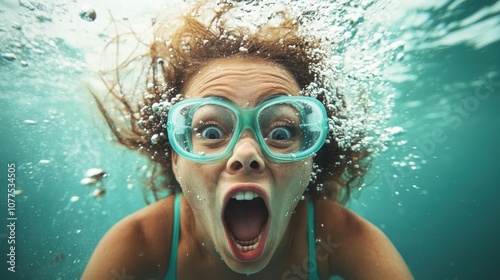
[{"x": 287, "y": 128}]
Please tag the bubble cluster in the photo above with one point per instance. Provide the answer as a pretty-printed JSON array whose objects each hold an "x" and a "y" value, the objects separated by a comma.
[
  {"x": 93, "y": 177},
  {"x": 355, "y": 49}
]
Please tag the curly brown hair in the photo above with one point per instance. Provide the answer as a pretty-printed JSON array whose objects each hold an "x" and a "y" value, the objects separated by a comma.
[{"x": 181, "y": 47}]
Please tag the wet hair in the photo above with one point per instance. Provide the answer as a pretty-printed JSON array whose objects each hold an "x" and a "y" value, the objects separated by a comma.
[{"x": 183, "y": 45}]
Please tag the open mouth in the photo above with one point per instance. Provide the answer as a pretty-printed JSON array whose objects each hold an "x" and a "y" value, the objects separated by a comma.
[{"x": 246, "y": 222}]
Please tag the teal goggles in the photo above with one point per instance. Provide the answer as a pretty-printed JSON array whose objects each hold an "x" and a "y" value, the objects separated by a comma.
[{"x": 287, "y": 128}]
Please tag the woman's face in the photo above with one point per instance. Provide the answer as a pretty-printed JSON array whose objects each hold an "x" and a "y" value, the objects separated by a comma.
[{"x": 243, "y": 203}]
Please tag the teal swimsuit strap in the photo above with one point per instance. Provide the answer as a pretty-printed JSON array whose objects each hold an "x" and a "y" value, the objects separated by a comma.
[
  {"x": 313, "y": 264},
  {"x": 172, "y": 265}
]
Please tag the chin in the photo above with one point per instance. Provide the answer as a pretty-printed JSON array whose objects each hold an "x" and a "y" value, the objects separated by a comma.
[{"x": 250, "y": 267}]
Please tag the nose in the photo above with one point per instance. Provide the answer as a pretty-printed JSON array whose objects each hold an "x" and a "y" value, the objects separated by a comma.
[{"x": 246, "y": 156}]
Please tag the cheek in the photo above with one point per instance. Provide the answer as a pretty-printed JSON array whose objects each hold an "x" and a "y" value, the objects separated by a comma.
[
  {"x": 190, "y": 175},
  {"x": 196, "y": 180},
  {"x": 296, "y": 175}
]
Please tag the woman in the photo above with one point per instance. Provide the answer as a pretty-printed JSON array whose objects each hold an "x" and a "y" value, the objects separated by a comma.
[{"x": 239, "y": 122}]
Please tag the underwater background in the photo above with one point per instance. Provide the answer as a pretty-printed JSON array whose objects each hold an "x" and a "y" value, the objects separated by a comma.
[{"x": 434, "y": 191}]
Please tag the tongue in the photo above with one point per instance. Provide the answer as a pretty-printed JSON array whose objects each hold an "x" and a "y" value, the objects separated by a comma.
[{"x": 245, "y": 218}]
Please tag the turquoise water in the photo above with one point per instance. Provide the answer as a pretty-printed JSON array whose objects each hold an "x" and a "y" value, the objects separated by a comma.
[{"x": 433, "y": 192}]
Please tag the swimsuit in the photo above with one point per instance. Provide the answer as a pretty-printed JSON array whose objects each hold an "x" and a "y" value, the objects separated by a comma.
[
  {"x": 172, "y": 265},
  {"x": 172, "y": 271}
]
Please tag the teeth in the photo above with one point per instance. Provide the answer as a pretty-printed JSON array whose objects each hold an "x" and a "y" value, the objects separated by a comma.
[
  {"x": 246, "y": 195},
  {"x": 246, "y": 246}
]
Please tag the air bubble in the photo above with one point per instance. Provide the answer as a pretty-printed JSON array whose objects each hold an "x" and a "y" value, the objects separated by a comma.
[
  {"x": 87, "y": 13},
  {"x": 398, "y": 45},
  {"x": 17, "y": 26},
  {"x": 9, "y": 56},
  {"x": 154, "y": 139},
  {"x": 32, "y": 122},
  {"x": 155, "y": 107}
]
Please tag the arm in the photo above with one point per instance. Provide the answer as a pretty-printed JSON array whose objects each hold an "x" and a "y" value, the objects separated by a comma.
[
  {"x": 370, "y": 254},
  {"x": 134, "y": 247},
  {"x": 362, "y": 251},
  {"x": 122, "y": 251}
]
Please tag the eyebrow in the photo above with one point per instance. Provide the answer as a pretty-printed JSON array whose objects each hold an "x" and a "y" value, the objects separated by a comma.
[{"x": 274, "y": 95}]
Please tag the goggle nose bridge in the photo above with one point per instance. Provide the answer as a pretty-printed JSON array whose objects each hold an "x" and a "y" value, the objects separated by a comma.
[{"x": 246, "y": 120}]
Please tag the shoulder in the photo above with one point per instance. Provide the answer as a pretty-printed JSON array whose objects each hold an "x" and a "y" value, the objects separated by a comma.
[
  {"x": 356, "y": 248},
  {"x": 138, "y": 245}
]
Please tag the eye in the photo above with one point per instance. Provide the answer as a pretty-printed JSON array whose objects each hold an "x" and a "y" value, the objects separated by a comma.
[
  {"x": 280, "y": 133},
  {"x": 212, "y": 132}
]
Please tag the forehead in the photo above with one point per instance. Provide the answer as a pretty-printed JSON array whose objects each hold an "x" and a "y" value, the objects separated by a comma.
[{"x": 241, "y": 80}]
